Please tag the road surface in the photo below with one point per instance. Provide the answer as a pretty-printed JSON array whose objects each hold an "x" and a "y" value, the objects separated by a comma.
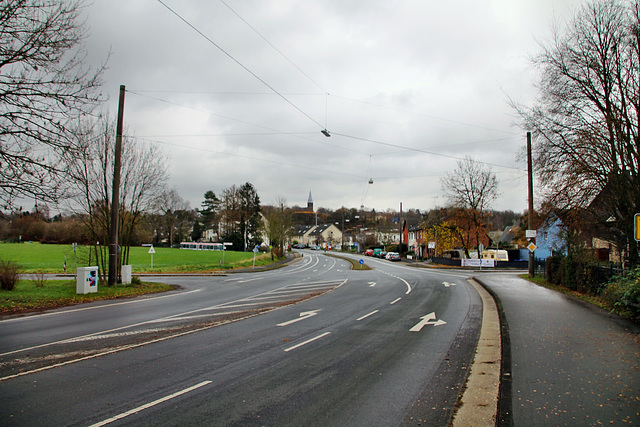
[{"x": 314, "y": 343}]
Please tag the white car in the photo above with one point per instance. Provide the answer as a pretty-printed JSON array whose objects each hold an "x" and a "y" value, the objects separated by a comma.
[{"x": 393, "y": 256}]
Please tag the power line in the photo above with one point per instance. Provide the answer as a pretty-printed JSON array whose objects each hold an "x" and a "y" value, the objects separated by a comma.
[
  {"x": 275, "y": 48},
  {"x": 387, "y": 144},
  {"x": 239, "y": 63},
  {"x": 297, "y": 134},
  {"x": 261, "y": 159},
  {"x": 458, "y": 122}
]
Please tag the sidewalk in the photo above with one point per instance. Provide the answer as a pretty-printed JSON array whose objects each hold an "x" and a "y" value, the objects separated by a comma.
[{"x": 571, "y": 363}]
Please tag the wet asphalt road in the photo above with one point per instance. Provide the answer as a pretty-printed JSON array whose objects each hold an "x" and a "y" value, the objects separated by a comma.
[{"x": 572, "y": 364}]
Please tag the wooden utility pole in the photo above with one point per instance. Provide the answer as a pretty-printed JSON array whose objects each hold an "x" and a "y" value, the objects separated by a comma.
[
  {"x": 115, "y": 200},
  {"x": 401, "y": 229},
  {"x": 530, "y": 216}
]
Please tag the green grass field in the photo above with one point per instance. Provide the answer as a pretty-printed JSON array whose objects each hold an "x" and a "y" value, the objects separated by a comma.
[
  {"x": 36, "y": 257},
  {"x": 27, "y": 296}
]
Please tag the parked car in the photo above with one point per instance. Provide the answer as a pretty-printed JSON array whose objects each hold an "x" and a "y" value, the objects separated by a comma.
[
  {"x": 368, "y": 252},
  {"x": 377, "y": 252},
  {"x": 393, "y": 256}
]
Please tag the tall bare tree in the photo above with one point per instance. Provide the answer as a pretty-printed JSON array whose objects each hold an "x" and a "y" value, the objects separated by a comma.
[
  {"x": 279, "y": 227},
  {"x": 172, "y": 208},
  {"x": 44, "y": 86},
  {"x": 586, "y": 121},
  {"x": 144, "y": 175},
  {"x": 471, "y": 188}
]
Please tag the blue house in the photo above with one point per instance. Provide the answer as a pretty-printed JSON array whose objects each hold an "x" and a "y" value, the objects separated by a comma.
[{"x": 549, "y": 239}]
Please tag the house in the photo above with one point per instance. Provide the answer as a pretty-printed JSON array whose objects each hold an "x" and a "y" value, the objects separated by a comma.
[
  {"x": 318, "y": 234},
  {"x": 322, "y": 234},
  {"x": 549, "y": 239}
]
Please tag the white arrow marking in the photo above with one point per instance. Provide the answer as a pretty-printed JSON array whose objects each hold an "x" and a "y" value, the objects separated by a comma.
[
  {"x": 303, "y": 315},
  {"x": 447, "y": 284},
  {"x": 372, "y": 284},
  {"x": 427, "y": 320}
]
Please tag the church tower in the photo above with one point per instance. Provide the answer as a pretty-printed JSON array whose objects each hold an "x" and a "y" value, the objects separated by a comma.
[{"x": 310, "y": 203}]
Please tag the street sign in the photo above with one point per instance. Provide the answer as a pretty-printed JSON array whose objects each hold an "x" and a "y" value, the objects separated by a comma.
[
  {"x": 532, "y": 247},
  {"x": 151, "y": 250},
  {"x": 530, "y": 234},
  {"x": 636, "y": 227}
]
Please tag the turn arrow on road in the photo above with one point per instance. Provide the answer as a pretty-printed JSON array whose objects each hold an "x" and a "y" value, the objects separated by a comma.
[{"x": 427, "y": 320}]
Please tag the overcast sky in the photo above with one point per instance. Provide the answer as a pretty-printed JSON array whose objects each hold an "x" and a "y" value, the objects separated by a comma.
[{"x": 405, "y": 88}]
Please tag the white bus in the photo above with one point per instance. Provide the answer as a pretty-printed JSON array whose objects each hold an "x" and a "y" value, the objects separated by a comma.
[{"x": 202, "y": 246}]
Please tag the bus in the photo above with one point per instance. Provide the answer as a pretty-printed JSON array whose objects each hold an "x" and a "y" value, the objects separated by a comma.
[{"x": 202, "y": 246}]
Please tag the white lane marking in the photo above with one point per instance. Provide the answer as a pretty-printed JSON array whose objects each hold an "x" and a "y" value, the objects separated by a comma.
[
  {"x": 151, "y": 404},
  {"x": 226, "y": 305},
  {"x": 399, "y": 278},
  {"x": 427, "y": 320},
  {"x": 307, "y": 341},
  {"x": 367, "y": 315},
  {"x": 395, "y": 301},
  {"x": 104, "y": 353},
  {"x": 75, "y": 310},
  {"x": 304, "y": 315}
]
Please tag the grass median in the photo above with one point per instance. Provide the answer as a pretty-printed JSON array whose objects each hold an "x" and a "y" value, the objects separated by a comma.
[{"x": 32, "y": 295}]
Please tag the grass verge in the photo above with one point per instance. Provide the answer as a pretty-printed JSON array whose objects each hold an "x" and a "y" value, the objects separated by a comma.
[
  {"x": 27, "y": 296},
  {"x": 354, "y": 264},
  {"x": 591, "y": 299}
]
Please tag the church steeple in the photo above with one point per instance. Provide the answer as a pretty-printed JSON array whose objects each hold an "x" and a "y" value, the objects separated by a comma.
[{"x": 310, "y": 203}]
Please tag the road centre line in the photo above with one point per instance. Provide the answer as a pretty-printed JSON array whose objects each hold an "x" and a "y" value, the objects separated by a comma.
[
  {"x": 307, "y": 342},
  {"x": 151, "y": 404},
  {"x": 395, "y": 301},
  {"x": 104, "y": 353},
  {"x": 367, "y": 315},
  {"x": 400, "y": 278},
  {"x": 226, "y": 305}
]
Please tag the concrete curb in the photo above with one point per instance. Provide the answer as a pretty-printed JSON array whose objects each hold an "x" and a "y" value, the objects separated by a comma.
[{"x": 478, "y": 405}]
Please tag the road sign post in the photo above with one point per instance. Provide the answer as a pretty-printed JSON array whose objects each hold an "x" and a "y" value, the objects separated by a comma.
[
  {"x": 255, "y": 251},
  {"x": 151, "y": 252}
]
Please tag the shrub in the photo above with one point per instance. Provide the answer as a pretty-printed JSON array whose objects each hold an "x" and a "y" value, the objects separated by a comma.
[
  {"x": 135, "y": 280},
  {"x": 623, "y": 294},
  {"x": 9, "y": 271},
  {"x": 554, "y": 269},
  {"x": 38, "y": 280}
]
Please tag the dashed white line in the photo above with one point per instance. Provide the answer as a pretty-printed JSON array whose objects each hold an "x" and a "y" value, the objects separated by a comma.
[
  {"x": 395, "y": 301},
  {"x": 151, "y": 404},
  {"x": 367, "y": 315},
  {"x": 307, "y": 341}
]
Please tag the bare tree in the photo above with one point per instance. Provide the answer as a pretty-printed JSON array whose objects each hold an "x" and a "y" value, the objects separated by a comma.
[
  {"x": 172, "y": 208},
  {"x": 586, "y": 121},
  {"x": 43, "y": 87},
  {"x": 144, "y": 174},
  {"x": 279, "y": 227},
  {"x": 471, "y": 188}
]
